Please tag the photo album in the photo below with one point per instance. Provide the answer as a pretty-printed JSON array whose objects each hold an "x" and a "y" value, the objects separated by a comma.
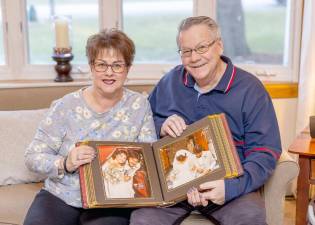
[{"x": 133, "y": 174}]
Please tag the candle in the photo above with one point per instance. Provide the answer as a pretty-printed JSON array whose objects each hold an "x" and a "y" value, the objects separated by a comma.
[{"x": 62, "y": 33}]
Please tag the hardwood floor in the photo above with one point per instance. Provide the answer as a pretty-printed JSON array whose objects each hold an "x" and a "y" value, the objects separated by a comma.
[{"x": 289, "y": 211}]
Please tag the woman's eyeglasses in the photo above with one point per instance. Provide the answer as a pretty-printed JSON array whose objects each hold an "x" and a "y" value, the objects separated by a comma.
[{"x": 103, "y": 67}]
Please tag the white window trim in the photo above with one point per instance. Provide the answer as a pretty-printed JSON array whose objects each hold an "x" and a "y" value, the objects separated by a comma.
[
  {"x": 289, "y": 73},
  {"x": 4, "y": 25},
  {"x": 4, "y": 69},
  {"x": 154, "y": 72},
  {"x": 110, "y": 15}
]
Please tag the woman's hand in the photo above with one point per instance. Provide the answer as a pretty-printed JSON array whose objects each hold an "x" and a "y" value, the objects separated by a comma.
[
  {"x": 78, "y": 156},
  {"x": 173, "y": 126}
]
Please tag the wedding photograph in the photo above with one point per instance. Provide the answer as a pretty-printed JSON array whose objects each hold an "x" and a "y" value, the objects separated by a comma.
[
  {"x": 189, "y": 158},
  {"x": 124, "y": 172}
]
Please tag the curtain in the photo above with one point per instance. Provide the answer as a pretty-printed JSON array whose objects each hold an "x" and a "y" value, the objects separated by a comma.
[
  {"x": 306, "y": 99},
  {"x": 306, "y": 96}
]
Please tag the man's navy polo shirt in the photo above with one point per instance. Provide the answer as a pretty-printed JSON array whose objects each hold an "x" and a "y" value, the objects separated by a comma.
[{"x": 249, "y": 112}]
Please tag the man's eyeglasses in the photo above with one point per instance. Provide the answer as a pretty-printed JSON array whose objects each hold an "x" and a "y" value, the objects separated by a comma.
[
  {"x": 200, "y": 49},
  {"x": 103, "y": 67}
]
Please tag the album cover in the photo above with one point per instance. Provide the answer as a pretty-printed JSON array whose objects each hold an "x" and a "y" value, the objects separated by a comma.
[{"x": 132, "y": 174}]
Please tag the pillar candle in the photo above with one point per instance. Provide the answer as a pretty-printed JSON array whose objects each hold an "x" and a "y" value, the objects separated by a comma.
[{"x": 62, "y": 33}]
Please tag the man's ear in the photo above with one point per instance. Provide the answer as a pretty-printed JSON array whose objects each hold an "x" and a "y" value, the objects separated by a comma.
[{"x": 221, "y": 45}]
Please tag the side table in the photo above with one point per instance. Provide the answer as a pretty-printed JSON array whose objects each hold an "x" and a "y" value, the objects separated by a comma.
[{"x": 304, "y": 146}]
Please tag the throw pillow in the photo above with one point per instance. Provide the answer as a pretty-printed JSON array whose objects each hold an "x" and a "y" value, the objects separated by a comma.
[{"x": 17, "y": 129}]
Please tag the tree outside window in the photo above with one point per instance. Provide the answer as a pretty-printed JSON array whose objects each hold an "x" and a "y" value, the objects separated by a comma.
[{"x": 253, "y": 31}]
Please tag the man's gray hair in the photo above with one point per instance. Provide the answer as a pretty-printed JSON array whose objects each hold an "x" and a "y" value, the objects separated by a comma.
[{"x": 198, "y": 20}]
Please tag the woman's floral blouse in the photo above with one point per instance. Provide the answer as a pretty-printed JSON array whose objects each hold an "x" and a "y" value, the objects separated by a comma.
[{"x": 70, "y": 120}]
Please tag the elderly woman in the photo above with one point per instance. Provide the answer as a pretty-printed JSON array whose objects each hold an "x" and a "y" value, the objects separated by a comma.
[{"x": 104, "y": 111}]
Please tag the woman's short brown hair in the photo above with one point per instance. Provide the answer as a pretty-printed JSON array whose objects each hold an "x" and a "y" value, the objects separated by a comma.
[{"x": 110, "y": 39}]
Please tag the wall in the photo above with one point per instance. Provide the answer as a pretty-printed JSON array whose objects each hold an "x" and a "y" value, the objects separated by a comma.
[
  {"x": 41, "y": 97},
  {"x": 286, "y": 110}
]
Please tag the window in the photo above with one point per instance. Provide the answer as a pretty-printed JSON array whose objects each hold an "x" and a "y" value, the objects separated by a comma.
[
  {"x": 84, "y": 14},
  {"x": 253, "y": 31},
  {"x": 152, "y": 25},
  {"x": 2, "y": 60},
  {"x": 257, "y": 33},
  {"x": 261, "y": 36}
]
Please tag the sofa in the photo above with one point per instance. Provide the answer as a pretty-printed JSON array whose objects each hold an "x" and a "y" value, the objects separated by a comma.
[{"x": 18, "y": 186}]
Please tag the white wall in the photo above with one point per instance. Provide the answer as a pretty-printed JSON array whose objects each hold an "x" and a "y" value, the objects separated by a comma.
[{"x": 286, "y": 110}]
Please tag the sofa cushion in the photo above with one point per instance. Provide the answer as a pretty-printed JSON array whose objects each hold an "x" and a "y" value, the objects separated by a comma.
[
  {"x": 15, "y": 201},
  {"x": 196, "y": 218},
  {"x": 17, "y": 129}
]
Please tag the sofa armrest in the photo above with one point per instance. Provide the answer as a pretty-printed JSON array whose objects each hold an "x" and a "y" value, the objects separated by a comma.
[{"x": 275, "y": 188}]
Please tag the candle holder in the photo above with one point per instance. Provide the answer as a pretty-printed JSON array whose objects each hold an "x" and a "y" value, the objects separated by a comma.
[
  {"x": 62, "y": 50},
  {"x": 63, "y": 56}
]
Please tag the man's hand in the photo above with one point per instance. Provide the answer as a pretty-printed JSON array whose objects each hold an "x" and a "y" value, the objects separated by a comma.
[
  {"x": 213, "y": 191},
  {"x": 195, "y": 198},
  {"x": 173, "y": 126},
  {"x": 78, "y": 156}
]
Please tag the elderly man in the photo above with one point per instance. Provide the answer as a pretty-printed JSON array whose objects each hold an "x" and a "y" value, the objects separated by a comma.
[{"x": 207, "y": 83}]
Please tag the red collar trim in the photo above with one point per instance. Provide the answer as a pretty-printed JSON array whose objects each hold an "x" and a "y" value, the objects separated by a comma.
[
  {"x": 230, "y": 81},
  {"x": 276, "y": 155},
  {"x": 185, "y": 79}
]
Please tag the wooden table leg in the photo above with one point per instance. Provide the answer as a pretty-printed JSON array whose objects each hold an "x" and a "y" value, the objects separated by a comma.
[{"x": 303, "y": 187}]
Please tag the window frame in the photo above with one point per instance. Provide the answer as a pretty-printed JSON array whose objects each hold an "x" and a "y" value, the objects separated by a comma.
[
  {"x": 110, "y": 15},
  {"x": 4, "y": 69},
  {"x": 281, "y": 73}
]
